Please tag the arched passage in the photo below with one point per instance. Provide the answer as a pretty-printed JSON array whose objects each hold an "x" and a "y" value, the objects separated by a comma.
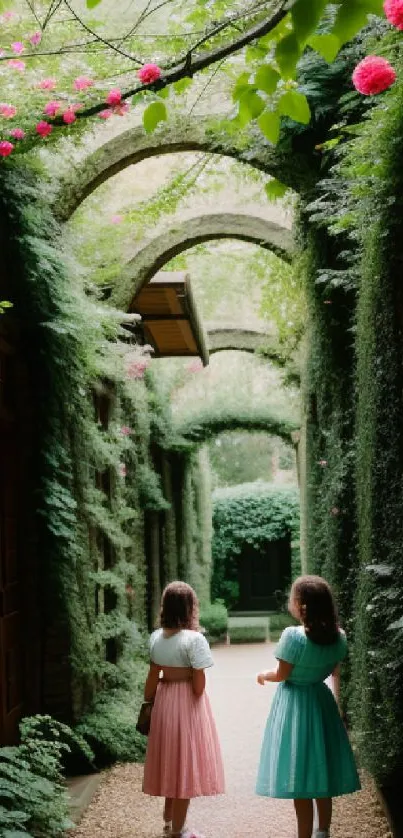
[
  {"x": 194, "y": 134},
  {"x": 243, "y": 340},
  {"x": 161, "y": 249},
  {"x": 201, "y": 428}
]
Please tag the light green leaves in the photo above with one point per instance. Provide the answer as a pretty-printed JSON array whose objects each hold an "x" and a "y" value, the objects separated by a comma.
[
  {"x": 153, "y": 115},
  {"x": 4, "y": 304},
  {"x": 351, "y": 17},
  {"x": 92, "y": 3},
  {"x": 267, "y": 79},
  {"x": 326, "y": 45},
  {"x": 288, "y": 51},
  {"x": 251, "y": 106},
  {"x": 295, "y": 105},
  {"x": 269, "y": 124},
  {"x": 275, "y": 189},
  {"x": 306, "y": 16}
]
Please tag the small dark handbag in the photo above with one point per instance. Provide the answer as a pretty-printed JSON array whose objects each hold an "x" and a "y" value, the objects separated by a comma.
[{"x": 144, "y": 719}]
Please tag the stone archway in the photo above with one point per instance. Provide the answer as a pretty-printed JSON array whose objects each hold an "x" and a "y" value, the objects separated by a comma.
[
  {"x": 199, "y": 429},
  {"x": 243, "y": 340},
  {"x": 161, "y": 249},
  {"x": 196, "y": 134}
]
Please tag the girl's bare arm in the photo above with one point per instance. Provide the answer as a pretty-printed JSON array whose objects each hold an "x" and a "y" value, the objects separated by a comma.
[
  {"x": 151, "y": 684},
  {"x": 336, "y": 684},
  {"x": 198, "y": 681},
  {"x": 281, "y": 673}
]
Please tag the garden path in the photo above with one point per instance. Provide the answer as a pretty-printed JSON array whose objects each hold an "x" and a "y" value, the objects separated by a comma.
[{"x": 120, "y": 810}]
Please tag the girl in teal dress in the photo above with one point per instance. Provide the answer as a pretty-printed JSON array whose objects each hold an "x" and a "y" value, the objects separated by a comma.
[{"x": 306, "y": 754}]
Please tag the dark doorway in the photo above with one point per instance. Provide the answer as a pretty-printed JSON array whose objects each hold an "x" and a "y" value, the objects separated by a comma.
[{"x": 264, "y": 575}]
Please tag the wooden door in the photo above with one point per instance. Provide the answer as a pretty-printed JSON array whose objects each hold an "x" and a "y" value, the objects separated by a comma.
[{"x": 11, "y": 639}]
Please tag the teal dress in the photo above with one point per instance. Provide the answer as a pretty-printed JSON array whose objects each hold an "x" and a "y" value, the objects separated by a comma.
[{"x": 306, "y": 752}]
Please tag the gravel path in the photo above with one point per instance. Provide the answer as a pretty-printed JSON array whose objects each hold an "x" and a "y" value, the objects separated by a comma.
[{"x": 120, "y": 810}]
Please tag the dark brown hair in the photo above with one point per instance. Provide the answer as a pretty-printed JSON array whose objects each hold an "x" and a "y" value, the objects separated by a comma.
[
  {"x": 313, "y": 598},
  {"x": 179, "y": 607}
]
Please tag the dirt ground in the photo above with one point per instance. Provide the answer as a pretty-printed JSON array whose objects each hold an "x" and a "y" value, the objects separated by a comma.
[{"x": 120, "y": 810}]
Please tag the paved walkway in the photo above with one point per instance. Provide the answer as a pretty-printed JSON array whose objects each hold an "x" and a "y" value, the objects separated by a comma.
[{"x": 120, "y": 810}]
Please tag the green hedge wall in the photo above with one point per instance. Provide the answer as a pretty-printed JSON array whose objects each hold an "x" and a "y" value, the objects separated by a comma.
[{"x": 255, "y": 514}]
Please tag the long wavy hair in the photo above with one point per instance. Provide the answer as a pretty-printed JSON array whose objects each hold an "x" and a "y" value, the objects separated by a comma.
[
  {"x": 179, "y": 607},
  {"x": 312, "y": 601}
]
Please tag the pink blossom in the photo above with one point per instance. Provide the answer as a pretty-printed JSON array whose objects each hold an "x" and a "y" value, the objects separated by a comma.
[
  {"x": 47, "y": 84},
  {"x": 36, "y": 38},
  {"x": 106, "y": 114},
  {"x": 122, "y": 109},
  {"x": 51, "y": 108},
  {"x": 82, "y": 82},
  {"x": 69, "y": 116},
  {"x": 5, "y": 148},
  {"x": 44, "y": 129},
  {"x": 373, "y": 75},
  {"x": 16, "y": 64},
  {"x": 18, "y": 47},
  {"x": 116, "y": 219},
  {"x": 137, "y": 369},
  {"x": 8, "y": 111},
  {"x": 17, "y": 134},
  {"x": 6, "y": 16},
  {"x": 125, "y": 430},
  {"x": 122, "y": 469},
  {"x": 322, "y": 463},
  {"x": 2, "y": 53},
  {"x": 394, "y": 12},
  {"x": 149, "y": 73},
  {"x": 114, "y": 97}
]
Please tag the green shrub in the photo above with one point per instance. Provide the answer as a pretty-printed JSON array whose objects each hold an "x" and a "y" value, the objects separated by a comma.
[
  {"x": 248, "y": 633},
  {"x": 33, "y": 800},
  {"x": 110, "y": 724},
  {"x": 214, "y": 619}
]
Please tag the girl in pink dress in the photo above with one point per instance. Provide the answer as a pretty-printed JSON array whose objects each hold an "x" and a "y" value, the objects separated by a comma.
[{"x": 183, "y": 755}]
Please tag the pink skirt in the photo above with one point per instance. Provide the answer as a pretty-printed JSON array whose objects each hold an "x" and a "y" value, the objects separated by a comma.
[{"x": 183, "y": 754}]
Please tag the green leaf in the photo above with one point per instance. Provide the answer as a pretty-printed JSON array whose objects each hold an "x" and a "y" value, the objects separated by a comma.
[
  {"x": 155, "y": 113},
  {"x": 326, "y": 45},
  {"x": 288, "y": 52},
  {"x": 241, "y": 86},
  {"x": 373, "y": 7},
  {"x": 182, "y": 85},
  {"x": 295, "y": 105},
  {"x": 351, "y": 17},
  {"x": 306, "y": 16},
  {"x": 267, "y": 78},
  {"x": 275, "y": 189},
  {"x": 251, "y": 106},
  {"x": 255, "y": 52},
  {"x": 269, "y": 124},
  {"x": 92, "y": 3}
]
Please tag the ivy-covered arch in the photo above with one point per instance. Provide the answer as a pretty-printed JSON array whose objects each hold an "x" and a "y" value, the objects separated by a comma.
[
  {"x": 242, "y": 340},
  {"x": 185, "y": 235},
  {"x": 202, "y": 427},
  {"x": 195, "y": 134}
]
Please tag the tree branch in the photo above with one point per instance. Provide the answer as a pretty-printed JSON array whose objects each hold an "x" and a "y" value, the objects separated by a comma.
[{"x": 188, "y": 67}]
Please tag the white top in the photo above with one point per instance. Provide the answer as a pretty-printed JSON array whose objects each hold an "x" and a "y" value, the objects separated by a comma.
[{"x": 184, "y": 648}]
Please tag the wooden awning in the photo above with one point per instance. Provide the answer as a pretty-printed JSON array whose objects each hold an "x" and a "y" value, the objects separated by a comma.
[{"x": 169, "y": 317}]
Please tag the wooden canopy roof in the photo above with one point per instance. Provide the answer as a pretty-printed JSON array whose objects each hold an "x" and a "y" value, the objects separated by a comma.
[{"x": 169, "y": 317}]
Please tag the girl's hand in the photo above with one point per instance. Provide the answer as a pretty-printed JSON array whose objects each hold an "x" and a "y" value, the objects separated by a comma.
[{"x": 261, "y": 678}]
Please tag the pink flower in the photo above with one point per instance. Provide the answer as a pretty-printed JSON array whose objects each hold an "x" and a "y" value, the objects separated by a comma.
[
  {"x": 69, "y": 116},
  {"x": 122, "y": 469},
  {"x": 373, "y": 75},
  {"x": 122, "y": 109},
  {"x": 47, "y": 84},
  {"x": 149, "y": 73},
  {"x": 36, "y": 38},
  {"x": 125, "y": 430},
  {"x": 52, "y": 108},
  {"x": 6, "y": 16},
  {"x": 5, "y": 148},
  {"x": 82, "y": 82},
  {"x": 44, "y": 129},
  {"x": 18, "y": 47},
  {"x": 394, "y": 12},
  {"x": 17, "y": 134},
  {"x": 114, "y": 97},
  {"x": 116, "y": 219},
  {"x": 322, "y": 463},
  {"x": 16, "y": 64},
  {"x": 137, "y": 369},
  {"x": 106, "y": 114},
  {"x": 8, "y": 111}
]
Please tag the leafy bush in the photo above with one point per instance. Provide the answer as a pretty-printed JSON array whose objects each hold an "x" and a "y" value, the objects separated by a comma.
[
  {"x": 278, "y": 622},
  {"x": 33, "y": 800},
  {"x": 256, "y": 633},
  {"x": 214, "y": 619},
  {"x": 110, "y": 724}
]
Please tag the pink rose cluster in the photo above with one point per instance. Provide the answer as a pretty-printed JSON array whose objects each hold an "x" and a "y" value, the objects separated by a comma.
[
  {"x": 116, "y": 104},
  {"x": 375, "y": 74},
  {"x": 137, "y": 369},
  {"x": 149, "y": 73}
]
